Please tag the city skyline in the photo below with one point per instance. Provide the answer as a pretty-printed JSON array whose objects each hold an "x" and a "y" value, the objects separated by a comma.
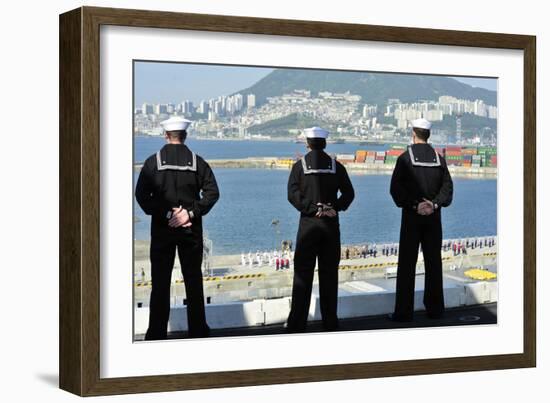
[{"x": 163, "y": 82}]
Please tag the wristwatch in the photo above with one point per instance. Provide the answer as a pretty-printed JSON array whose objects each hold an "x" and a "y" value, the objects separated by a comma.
[{"x": 191, "y": 214}]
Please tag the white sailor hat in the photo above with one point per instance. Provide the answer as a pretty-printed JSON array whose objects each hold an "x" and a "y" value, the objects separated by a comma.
[
  {"x": 421, "y": 124},
  {"x": 175, "y": 123},
  {"x": 316, "y": 133}
]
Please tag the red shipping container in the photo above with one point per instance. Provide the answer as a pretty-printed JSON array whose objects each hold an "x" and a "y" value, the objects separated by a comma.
[{"x": 453, "y": 148}]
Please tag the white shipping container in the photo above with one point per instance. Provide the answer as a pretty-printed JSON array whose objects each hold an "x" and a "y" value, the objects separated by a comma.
[{"x": 346, "y": 157}]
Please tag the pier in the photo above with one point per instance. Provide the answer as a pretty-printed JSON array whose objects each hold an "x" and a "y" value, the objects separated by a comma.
[{"x": 230, "y": 281}]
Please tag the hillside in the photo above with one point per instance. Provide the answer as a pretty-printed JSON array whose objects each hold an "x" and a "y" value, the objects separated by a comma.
[{"x": 374, "y": 88}]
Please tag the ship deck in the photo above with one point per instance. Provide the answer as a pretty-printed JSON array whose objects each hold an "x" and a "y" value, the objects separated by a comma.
[{"x": 485, "y": 314}]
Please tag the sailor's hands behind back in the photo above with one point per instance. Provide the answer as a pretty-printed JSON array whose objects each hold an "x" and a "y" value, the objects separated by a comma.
[
  {"x": 180, "y": 218},
  {"x": 325, "y": 210},
  {"x": 425, "y": 207}
]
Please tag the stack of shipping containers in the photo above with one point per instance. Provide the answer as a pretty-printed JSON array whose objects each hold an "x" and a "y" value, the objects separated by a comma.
[
  {"x": 453, "y": 155},
  {"x": 371, "y": 156},
  {"x": 392, "y": 155},
  {"x": 467, "y": 156},
  {"x": 360, "y": 156},
  {"x": 475, "y": 157},
  {"x": 380, "y": 157},
  {"x": 345, "y": 158},
  {"x": 488, "y": 156}
]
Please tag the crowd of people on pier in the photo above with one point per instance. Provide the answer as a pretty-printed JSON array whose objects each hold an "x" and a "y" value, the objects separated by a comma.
[
  {"x": 279, "y": 260},
  {"x": 369, "y": 250},
  {"x": 457, "y": 246},
  {"x": 461, "y": 246}
]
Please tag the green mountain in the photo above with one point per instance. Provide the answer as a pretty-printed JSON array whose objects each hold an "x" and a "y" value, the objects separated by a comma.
[{"x": 374, "y": 88}]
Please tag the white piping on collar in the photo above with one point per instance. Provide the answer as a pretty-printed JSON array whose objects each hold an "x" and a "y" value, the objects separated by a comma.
[
  {"x": 331, "y": 170},
  {"x": 165, "y": 167},
  {"x": 415, "y": 161}
]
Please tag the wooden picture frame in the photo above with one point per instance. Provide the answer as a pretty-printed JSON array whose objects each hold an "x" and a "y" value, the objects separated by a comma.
[{"x": 79, "y": 279}]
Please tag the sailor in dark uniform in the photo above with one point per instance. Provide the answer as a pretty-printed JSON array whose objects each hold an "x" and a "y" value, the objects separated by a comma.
[
  {"x": 313, "y": 187},
  {"x": 421, "y": 185},
  {"x": 169, "y": 190}
]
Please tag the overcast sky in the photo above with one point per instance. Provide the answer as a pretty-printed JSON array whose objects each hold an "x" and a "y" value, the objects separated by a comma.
[{"x": 174, "y": 82}]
